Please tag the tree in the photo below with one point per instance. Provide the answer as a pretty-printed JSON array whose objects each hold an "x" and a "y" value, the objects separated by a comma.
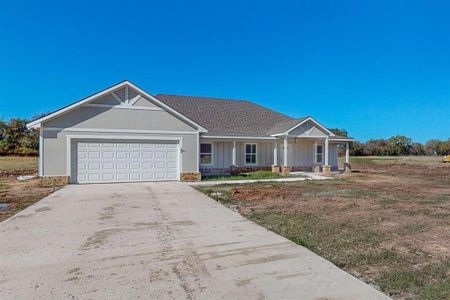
[
  {"x": 443, "y": 148},
  {"x": 417, "y": 149},
  {"x": 16, "y": 138},
  {"x": 431, "y": 147},
  {"x": 399, "y": 145},
  {"x": 339, "y": 131}
]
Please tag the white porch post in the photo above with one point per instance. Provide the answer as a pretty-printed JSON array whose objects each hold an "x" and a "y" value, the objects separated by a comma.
[
  {"x": 347, "y": 153},
  {"x": 326, "y": 152},
  {"x": 233, "y": 160},
  {"x": 285, "y": 152},
  {"x": 41, "y": 151},
  {"x": 275, "y": 154}
]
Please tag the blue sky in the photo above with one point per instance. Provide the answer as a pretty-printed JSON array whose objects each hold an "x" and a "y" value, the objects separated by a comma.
[{"x": 376, "y": 68}]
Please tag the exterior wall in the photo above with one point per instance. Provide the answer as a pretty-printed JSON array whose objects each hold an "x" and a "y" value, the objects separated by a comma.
[
  {"x": 106, "y": 122},
  {"x": 300, "y": 154},
  {"x": 114, "y": 118}
]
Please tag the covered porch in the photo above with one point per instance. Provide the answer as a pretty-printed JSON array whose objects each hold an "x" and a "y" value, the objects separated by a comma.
[
  {"x": 285, "y": 154},
  {"x": 315, "y": 154}
]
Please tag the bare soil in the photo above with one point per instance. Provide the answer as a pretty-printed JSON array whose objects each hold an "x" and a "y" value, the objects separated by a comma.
[
  {"x": 19, "y": 194},
  {"x": 387, "y": 223}
]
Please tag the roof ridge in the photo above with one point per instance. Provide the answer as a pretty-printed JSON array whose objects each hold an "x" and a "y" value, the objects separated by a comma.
[{"x": 205, "y": 97}]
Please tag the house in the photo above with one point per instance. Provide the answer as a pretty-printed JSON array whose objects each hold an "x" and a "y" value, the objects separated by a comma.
[{"x": 124, "y": 134}]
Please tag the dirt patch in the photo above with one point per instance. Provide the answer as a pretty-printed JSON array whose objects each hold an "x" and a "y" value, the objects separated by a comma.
[
  {"x": 20, "y": 194},
  {"x": 388, "y": 223}
]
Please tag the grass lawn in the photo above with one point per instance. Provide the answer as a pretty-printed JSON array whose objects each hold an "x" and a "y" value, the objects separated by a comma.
[
  {"x": 388, "y": 223},
  {"x": 18, "y": 195}
]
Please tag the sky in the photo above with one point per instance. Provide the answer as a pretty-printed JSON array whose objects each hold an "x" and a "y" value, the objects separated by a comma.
[{"x": 375, "y": 68}]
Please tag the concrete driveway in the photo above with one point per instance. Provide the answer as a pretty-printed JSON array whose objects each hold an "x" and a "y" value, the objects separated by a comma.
[{"x": 156, "y": 241}]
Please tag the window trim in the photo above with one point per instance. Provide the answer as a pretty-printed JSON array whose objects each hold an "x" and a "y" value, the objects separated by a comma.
[
  {"x": 256, "y": 154},
  {"x": 315, "y": 153},
  {"x": 200, "y": 154}
]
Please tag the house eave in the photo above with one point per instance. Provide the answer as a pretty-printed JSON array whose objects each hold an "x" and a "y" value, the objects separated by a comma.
[{"x": 237, "y": 137}]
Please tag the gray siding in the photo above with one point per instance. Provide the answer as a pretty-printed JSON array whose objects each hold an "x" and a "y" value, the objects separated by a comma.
[{"x": 114, "y": 118}]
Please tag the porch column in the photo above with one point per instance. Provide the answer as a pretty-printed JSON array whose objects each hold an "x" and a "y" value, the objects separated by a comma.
[
  {"x": 285, "y": 153},
  {"x": 275, "y": 166},
  {"x": 275, "y": 154},
  {"x": 285, "y": 169},
  {"x": 347, "y": 153},
  {"x": 326, "y": 167},
  {"x": 347, "y": 165},
  {"x": 233, "y": 159}
]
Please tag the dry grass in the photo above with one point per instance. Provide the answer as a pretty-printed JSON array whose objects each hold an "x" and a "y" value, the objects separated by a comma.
[
  {"x": 18, "y": 163},
  {"x": 388, "y": 223}
]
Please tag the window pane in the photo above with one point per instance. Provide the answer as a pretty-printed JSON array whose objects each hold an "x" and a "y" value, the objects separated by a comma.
[
  {"x": 250, "y": 158},
  {"x": 319, "y": 148},
  {"x": 319, "y": 158},
  {"x": 248, "y": 148},
  {"x": 205, "y": 158},
  {"x": 254, "y": 148},
  {"x": 205, "y": 148}
]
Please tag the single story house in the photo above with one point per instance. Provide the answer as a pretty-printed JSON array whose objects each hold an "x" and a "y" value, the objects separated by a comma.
[{"x": 124, "y": 134}]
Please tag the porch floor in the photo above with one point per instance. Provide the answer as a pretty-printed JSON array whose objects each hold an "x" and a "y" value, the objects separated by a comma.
[{"x": 305, "y": 176}]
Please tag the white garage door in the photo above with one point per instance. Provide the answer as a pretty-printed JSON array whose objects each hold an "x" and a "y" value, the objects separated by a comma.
[{"x": 99, "y": 162}]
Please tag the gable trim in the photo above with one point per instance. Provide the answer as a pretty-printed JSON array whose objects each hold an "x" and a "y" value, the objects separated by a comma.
[
  {"x": 110, "y": 90},
  {"x": 122, "y": 106},
  {"x": 304, "y": 121}
]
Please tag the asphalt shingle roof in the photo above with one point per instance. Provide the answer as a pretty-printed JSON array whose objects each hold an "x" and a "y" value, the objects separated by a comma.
[{"x": 229, "y": 116}]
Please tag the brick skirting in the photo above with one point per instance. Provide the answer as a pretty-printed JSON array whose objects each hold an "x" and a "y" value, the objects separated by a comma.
[
  {"x": 190, "y": 176},
  {"x": 54, "y": 180}
]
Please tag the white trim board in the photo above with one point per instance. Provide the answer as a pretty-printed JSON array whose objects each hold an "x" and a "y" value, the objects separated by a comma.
[
  {"x": 107, "y": 130},
  {"x": 124, "y": 106},
  {"x": 126, "y": 84},
  {"x": 238, "y": 137}
]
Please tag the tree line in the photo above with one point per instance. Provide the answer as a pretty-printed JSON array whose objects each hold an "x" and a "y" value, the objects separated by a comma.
[
  {"x": 17, "y": 139},
  {"x": 396, "y": 146}
]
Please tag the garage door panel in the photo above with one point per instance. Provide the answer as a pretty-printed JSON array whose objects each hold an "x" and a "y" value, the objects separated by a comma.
[
  {"x": 124, "y": 162},
  {"x": 108, "y": 154},
  {"x": 94, "y": 154},
  {"x": 108, "y": 166},
  {"x": 94, "y": 166},
  {"x": 108, "y": 177},
  {"x": 148, "y": 166}
]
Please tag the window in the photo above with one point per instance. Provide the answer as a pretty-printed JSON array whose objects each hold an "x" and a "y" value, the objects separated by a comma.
[
  {"x": 250, "y": 154},
  {"x": 319, "y": 153},
  {"x": 205, "y": 154}
]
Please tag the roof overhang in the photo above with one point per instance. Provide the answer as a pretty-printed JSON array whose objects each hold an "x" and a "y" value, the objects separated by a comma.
[
  {"x": 238, "y": 137},
  {"x": 341, "y": 140},
  {"x": 37, "y": 123},
  {"x": 303, "y": 122}
]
